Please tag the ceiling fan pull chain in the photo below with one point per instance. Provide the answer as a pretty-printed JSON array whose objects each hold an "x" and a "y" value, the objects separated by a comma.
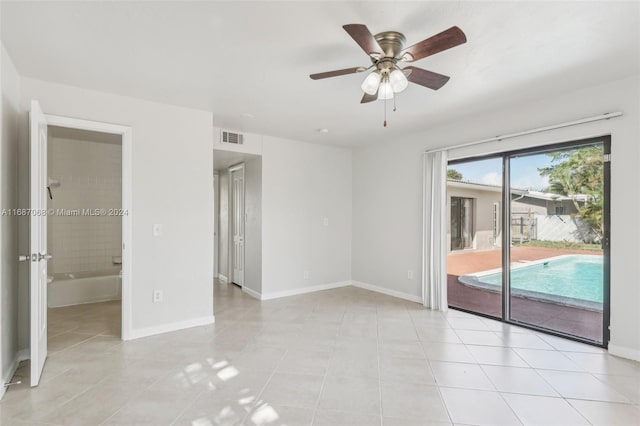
[{"x": 394, "y": 104}]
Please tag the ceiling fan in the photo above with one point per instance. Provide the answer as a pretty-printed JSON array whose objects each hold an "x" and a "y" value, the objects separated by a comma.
[{"x": 386, "y": 50}]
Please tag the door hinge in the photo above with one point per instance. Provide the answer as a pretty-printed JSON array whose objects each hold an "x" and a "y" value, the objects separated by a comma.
[{"x": 607, "y": 158}]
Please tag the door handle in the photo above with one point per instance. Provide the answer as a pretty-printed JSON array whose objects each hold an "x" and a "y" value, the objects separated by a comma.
[{"x": 44, "y": 256}]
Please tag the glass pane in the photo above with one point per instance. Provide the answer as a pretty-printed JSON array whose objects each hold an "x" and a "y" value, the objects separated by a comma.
[
  {"x": 474, "y": 192},
  {"x": 556, "y": 268}
]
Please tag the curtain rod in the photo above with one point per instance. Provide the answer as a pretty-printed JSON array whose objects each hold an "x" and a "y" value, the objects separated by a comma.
[{"x": 605, "y": 116}]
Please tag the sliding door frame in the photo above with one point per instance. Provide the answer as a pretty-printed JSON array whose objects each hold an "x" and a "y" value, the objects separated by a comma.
[{"x": 506, "y": 234}]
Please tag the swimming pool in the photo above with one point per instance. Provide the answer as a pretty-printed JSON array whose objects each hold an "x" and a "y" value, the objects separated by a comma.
[{"x": 572, "y": 276}]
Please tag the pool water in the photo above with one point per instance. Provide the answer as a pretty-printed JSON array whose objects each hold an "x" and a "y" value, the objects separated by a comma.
[{"x": 576, "y": 276}]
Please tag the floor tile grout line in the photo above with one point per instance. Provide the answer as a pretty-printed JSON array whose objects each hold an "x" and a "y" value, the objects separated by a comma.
[
  {"x": 511, "y": 408},
  {"x": 424, "y": 354},
  {"x": 326, "y": 373},
  {"x": 184, "y": 410},
  {"x": 129, "y": 399},
  {"x": 75, "y": 396},
  {"x": 264, "y": 387},
  {"x": 315, "y": 410},
  {"x": 92, "y": 336}
]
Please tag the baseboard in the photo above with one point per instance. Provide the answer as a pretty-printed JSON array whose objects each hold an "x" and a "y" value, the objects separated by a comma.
[
  {"x": 386, "y": 291},
  {"x": 624, "y": 352},
  {"x": 21, "y": 355},
  {"x": 252, "y": 293},
  {"x": 222, "y": 278},
  {"x": 174, "y": 326},
  {"x": 304, "y": 290}
]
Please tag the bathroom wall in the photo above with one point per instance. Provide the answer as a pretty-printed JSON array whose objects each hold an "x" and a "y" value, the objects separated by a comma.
[{"x": 89, "y": 168}]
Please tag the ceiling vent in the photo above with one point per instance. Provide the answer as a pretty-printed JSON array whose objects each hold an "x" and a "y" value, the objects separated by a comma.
[{"x": 230, "y": 137}]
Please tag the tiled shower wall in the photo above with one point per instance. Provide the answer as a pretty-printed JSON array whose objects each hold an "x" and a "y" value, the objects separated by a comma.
[{"x": 90, "y": 175}]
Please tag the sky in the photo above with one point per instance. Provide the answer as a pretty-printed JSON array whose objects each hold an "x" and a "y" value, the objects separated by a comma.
[{"x": 524, "y": 171}]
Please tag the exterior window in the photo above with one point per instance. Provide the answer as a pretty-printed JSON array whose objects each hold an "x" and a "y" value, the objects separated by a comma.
[
  {"x": 461, "y": 223},
  {"x": 559, "y": 210}
]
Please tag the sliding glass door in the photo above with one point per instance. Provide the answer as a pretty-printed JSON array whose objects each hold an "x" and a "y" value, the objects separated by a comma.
[
  {"x": 553, "y": 210},
  {"x": 556, "y": 268}
]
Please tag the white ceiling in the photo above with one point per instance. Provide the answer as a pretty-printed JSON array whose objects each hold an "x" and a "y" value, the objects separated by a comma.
[{"x": 255, "y": 57}]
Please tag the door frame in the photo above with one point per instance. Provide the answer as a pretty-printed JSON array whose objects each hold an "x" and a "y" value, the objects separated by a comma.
[
  {"x": 127, "y": 204},
  {"x": 230, "y": 257},
  {"x": 605, "y": 139}
]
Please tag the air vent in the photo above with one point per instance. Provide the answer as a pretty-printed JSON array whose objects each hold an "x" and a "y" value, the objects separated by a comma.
[{"x": 230, "y": 137}]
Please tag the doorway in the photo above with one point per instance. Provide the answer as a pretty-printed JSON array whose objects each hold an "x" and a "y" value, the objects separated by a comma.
[
  {"x": 461, "y": 223},
  {"x": 551, "y": 271},
  {"x": 84, "y": 236},
  {"x": 84, "y": 275},
  {"x": 238, "y": 220},
  {"x": 237, "y": 215}
]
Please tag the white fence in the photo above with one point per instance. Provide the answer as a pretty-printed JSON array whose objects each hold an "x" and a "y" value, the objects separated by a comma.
[{"x": 563, "y": 228}]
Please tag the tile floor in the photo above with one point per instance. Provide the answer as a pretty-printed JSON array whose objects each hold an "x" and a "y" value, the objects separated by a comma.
[{"x": 339, "y": 357}]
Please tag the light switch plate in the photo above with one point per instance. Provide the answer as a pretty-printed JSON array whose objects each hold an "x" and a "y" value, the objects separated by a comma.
[{"x": 157, "y": 229}]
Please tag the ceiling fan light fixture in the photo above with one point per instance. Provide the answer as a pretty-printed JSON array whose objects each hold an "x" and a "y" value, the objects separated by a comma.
[
  {"x": 398, "y": 80},
  {"x": 371, "y": 83},
  {"x": 385, "y": 91}
]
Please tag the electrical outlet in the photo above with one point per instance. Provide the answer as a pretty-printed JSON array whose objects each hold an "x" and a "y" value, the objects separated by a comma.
[
  {"x": 157, "y": 296},
  {"x": 410, "y": 274},
  {"x": 325, "y": 221},
  {"x": 306, "y": 275},
  {"x": 157, "y": 229}
]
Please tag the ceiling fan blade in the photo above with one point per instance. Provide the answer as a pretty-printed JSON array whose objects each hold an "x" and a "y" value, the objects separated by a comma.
[
  {"x": 361, "y": 34},
  {"x": 435, "y": 44},
  {"x": 369, "y": 98},
  {"x": 425, "y": 78},
  {"x": 336, "y": 73}
]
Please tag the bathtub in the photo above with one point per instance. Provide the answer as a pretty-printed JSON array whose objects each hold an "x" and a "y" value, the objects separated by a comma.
[{"x": 83, "y": 287}]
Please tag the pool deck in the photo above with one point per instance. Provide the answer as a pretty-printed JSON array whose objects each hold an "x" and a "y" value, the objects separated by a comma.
[{"x": 575, "y": 321}]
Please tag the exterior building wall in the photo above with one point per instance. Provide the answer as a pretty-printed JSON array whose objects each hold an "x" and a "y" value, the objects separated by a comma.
[{"x": 483, "y": 227}]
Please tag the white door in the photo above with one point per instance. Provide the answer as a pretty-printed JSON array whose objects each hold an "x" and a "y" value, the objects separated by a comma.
[
  {"x": 216, "y": 215},
  {"x": 237, "y": 195},
  {"x": 38, "y": 244}
]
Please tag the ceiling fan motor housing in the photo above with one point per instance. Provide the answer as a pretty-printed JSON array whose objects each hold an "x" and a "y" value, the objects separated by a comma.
[{"x": 391, "y": 42}]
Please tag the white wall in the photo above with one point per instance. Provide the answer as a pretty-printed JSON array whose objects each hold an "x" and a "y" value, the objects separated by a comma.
[
  {"x": 302, "y": 184},
  {"x": 253, "y": 224},
  {"x": 387, "y": 187},
  {"x": 90, "y": 176},
  {"x": 10, "y": 83},
  {"x": 172, "y": 185}
]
